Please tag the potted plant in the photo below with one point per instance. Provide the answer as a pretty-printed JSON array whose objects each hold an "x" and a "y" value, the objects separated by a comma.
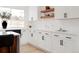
[{"x": 5, "y": 15}]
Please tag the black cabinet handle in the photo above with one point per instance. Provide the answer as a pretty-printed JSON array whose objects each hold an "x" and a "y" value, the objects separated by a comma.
[
  {"x": 42, "y": 37},
  {"x": 61, "y": 42},
  {"x": 56, "y": 35},
  {"x": 46, "y": 33},
  {"x": 31, "y": 34},
  {"x": 68, "y": 37}
]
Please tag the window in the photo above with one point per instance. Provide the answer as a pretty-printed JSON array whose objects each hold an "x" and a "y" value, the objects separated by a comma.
[{"x": 16, "y": 13}]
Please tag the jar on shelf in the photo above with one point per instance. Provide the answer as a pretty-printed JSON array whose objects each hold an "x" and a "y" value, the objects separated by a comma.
[{"x": 47, "y": 7}]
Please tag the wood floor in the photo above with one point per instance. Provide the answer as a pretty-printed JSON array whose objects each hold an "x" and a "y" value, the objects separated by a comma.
[{"x": 28, "y": 48}]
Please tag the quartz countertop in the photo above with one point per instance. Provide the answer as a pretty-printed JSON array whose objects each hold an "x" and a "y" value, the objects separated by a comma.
[{"x": 9, "y": 32}]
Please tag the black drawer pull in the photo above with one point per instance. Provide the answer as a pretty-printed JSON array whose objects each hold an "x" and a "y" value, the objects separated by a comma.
[
  {"x": 61, "y": 42},
  {"x": 42, "y": 37},
  {"x": 68, "y": 37},
  {"x": 46, "y": 33},
  {"x": 31, "y": 34},
  {"x": 56, "y": 35}
]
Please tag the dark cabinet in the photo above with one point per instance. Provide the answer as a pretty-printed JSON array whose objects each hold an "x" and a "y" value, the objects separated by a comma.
[{"x": 9, "y": 45}]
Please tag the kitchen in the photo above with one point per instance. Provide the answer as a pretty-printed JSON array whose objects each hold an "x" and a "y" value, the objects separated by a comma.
[{"x": 50, "y": 29}]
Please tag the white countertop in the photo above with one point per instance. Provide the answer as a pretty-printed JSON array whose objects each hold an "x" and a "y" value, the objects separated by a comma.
[
  {"x": 57, "y": 32},
  {"x": 9, "y": 32}
]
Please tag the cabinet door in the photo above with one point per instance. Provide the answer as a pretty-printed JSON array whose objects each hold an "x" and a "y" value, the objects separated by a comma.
[
  {"x": 33, "y": 15},
  {"x": 39, "y": 40},
  {"x": 42, "y": 41},
  {"x": 47, "y": 42},
  {"x": 57, "y": 44},
  {"x": 59, "y": 12},
  {"x": 25, "y": 37},
  {"x": 72, "y": 12},
  {"x": 36, "y": 39},
  {"x": 68, "y": 11},
  {"x": 67, "y": 43},
  {"x": 62, "y": 44}
]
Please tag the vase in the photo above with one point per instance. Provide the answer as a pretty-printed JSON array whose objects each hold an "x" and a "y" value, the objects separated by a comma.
[{"x": 4, "y": 24}]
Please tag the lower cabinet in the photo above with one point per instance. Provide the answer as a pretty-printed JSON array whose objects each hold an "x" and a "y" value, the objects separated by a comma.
[
  {"x": 56, "y": 47},
  {"x": 25, "y": 38},
  {"x": 47, "y": 42},
  {"x": 62, "y": 44},
  {"x": 68, "y": 45},
  {"x": 41, "y": 40},
  {"x": 35, "y": 38},
  {"x": 6, "y": 48},
  {"x": 52, "y": 42}
]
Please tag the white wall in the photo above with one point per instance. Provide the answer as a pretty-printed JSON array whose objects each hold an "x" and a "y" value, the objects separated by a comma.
[
  {"x": 33, "y": 13},
  {"x": 51, "y": 25}
]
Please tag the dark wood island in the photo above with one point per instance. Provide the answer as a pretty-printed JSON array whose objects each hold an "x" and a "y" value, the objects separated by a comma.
[{"x": 9, "y": 43}]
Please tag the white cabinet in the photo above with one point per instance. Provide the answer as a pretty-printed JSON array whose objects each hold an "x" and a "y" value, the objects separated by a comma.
[
  {"x": 68, "y": 45},
  {"x": 59, "y": 12},
  {"x": 35, "y": 38},
  {"x": 53, "y": 42},
  {"x": 46, "y": 41},
  {"x": 33, "y": 13},
  {"x": 25, "y": 37},
  {"x": 56, "y": 47},
  {"x": 41, "y": 40},
  {"x": 72, "y": 12},
  {"x": 62, "y": 43},
  {"x": 66, "y": 11}
]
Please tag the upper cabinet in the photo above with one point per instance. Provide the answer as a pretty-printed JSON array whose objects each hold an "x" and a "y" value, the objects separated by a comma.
[
  {"x": 66, "y": 12},
  {"x": 53, "y": 12},
  {"x": 33, "y": 13},
  {"x": 59, "y": 12},
  {"x": 72, "y": 11}
]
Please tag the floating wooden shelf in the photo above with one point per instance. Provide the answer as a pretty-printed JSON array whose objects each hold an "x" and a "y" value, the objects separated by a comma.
[
  {"x": 49, "y": 10},
  {"x": 47, "y": 16}
]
